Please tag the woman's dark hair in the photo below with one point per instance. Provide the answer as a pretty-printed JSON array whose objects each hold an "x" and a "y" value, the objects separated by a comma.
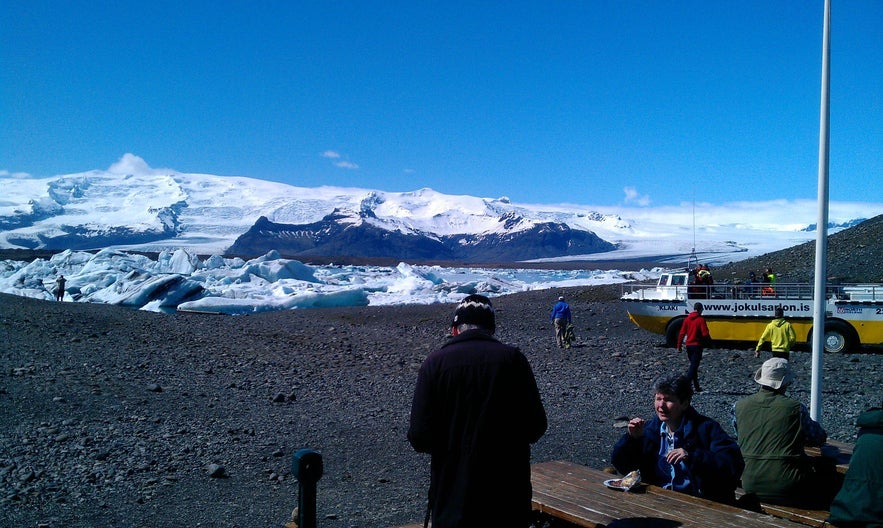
[{"x": 676, "y": 385}]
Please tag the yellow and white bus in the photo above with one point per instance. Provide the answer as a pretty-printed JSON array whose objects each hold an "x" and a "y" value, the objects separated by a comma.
[{"x": 734, "y": 312}]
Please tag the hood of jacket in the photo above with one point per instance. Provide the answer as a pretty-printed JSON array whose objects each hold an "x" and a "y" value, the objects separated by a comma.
[{"x": 872, "y": 418}]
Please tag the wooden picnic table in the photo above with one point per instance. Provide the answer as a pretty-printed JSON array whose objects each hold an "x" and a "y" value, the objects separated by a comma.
[
  {"x": 577, "y": 494},
  {"x": 839, "y": 452}
]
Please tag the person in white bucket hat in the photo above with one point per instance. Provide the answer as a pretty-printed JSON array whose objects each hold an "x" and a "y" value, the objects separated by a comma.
[
  {"x": 775, "y": 373},
  {"x": 772, "y": 431}
]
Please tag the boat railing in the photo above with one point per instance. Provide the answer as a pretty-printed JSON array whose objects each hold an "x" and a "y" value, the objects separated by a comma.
[
  {"x": 643, "y": 292},
  {"x": 789, "y": 291}
]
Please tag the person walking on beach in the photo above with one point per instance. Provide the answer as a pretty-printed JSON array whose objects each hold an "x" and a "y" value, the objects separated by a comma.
[
  {"x": 561, "y": 317},
  {"x": 59, "y": 288},
  {"x": 694, "y": 335},
  {"x": 476, "y": 410},
  {"x": 780, "y": 334}
]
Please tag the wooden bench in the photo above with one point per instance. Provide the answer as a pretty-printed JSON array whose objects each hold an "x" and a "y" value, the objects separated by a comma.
[
  {"x": 840, "y": 454},
  {"x": 577, "y": 494},
  {"x": 805, "y": 516}
]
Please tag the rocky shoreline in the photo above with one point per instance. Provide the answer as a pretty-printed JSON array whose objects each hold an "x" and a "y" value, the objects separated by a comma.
[{"x": 113, "y": 417}]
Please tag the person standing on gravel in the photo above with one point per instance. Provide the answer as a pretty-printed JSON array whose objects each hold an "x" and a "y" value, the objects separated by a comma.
[
  {"x": 561, "y": 317},
  {"x": 693, "y": 336},
  {"x": 780, "y": 334},
  {"x": 476, "y": 410},
  {"x": 59, "y": 288}
]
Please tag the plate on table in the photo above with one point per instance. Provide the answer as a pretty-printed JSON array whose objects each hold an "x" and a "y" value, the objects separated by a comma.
[
  {"x": 625, "y": 483},
  {"x": 616, "y": 484}
]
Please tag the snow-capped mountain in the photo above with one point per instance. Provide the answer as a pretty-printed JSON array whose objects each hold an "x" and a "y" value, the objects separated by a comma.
[
  {"x": 364, "y": 235},
  {"x": 132, "y": 206}
]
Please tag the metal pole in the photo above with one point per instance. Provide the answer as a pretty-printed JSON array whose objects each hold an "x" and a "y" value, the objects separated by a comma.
[
  {"x": 821, "y": 272},
  {"x": 306, "y": 465}
]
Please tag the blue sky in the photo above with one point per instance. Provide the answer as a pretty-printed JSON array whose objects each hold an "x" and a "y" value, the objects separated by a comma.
[{"x": 587, "y": 102}]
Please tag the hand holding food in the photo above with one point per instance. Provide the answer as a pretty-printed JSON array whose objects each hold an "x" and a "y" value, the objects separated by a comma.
[{"x": 636, "y": 427}]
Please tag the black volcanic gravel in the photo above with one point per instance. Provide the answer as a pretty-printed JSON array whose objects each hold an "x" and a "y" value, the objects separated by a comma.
[{"x": 112, "y": 417}]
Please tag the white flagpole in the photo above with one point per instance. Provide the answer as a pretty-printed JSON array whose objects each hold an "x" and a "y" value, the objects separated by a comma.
[{"x": 821, "y": 272}]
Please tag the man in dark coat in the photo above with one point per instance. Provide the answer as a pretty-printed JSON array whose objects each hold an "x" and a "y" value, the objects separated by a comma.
[{"x": 476, "y": 410}]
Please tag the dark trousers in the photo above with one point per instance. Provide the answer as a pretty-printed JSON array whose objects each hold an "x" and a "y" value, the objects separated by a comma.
[{"x": 694, "y": 353}]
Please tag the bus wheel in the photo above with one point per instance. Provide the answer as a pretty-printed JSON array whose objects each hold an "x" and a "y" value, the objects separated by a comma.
[
  {"x": 838, "y": 337},
  {"x": 672, "y": 331}
]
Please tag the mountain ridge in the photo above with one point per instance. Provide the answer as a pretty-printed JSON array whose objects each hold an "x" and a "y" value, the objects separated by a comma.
[
  {"x": 350, "y": 234},
  {"x": 854, "y": 255},
  {"x": 133, "y": 207}
]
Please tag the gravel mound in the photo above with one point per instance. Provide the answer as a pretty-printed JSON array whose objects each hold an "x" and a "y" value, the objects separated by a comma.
[{"x": 113, "y": 417}]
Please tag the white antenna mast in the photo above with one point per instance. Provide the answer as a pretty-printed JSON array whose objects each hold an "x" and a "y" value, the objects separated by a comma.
[{"x": 694, "y": 222}]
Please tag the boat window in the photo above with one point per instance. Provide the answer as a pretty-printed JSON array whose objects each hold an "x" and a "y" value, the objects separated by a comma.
[
  {"x": 663, "y": 279},
  {"x": 678, "y": 280}
]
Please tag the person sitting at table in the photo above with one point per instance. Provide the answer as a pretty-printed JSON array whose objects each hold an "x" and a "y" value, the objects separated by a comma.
[
  {"x": 772, "y": 430},
  {"x": 680, "y": 449},
  {"x": 859, "y": 503}
]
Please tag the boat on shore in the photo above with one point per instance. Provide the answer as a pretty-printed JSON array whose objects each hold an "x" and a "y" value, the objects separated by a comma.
[{"x": 740, "y": 312}]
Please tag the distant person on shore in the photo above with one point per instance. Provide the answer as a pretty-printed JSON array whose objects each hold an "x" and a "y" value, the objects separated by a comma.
[
  {"x": 680, "y": 449},
  {"x": 694, "y": 336},
  {"x": 780, "y": 334},
  {"x": 59, "y": 288},
  {"x": 773, "y": 430},
  {"x": 859, "y": 503},
  {"x": 476, "y": 411},
  {"x": 561, "y": 317}
]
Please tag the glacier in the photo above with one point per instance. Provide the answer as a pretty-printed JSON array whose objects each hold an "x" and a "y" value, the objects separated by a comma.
[{"x": 180, "y": 281}]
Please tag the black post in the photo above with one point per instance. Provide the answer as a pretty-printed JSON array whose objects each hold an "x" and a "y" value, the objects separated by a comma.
[{"x": 306, "y": 465}]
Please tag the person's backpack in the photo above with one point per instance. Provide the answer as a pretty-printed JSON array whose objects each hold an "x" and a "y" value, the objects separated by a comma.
[{"x": 569, "y": 335}]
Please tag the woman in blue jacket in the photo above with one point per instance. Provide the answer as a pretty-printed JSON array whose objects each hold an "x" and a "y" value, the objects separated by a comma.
[{"x": 679, "y": 448}]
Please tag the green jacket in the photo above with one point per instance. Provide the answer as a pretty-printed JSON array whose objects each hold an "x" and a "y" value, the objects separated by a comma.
[
  {"x": 860, "y": 500},
  {"x": 770, "y": 435},
  {"x": 780, "y": 334}
]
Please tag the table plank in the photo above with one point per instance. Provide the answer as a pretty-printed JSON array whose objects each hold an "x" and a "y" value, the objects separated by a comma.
[
  {"x": 840, "y": 452},
  {"x": 576, "y": 493}
]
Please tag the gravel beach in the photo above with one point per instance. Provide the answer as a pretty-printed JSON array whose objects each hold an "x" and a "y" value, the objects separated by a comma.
[{"x": 114, "y": 417}]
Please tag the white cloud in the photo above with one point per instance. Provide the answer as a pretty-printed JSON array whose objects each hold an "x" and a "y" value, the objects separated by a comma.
[
  {"x": 632, "y": 196},
  {"x": 132, "y": 164},
  {"x": 342, "y": 163},
  {"x": 14, "y": 175}
]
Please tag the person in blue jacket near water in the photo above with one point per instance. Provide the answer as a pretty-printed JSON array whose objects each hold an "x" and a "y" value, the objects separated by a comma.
[{"x": 561, "y": 318}]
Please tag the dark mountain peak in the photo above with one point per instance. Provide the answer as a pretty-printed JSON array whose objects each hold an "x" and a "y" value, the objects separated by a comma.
[{"x": 345, "y": 233}]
